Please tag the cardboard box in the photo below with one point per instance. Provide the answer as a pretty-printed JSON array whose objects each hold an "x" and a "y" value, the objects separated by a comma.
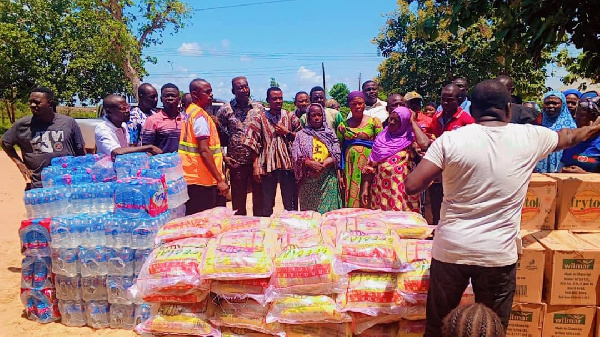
[
  {"x": 563, "y": 321},
  {"x": 571, "y": 269},
  {"x": 578, "y": 201},
  {"x": 526, "y": 319},
  {"x": 530, "y": 270},
  {"x": 539, "y": 208},
  {"x": 597, "y": 322}
]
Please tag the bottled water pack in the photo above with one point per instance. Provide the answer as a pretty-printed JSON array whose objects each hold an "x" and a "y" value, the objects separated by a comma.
[{"x": 138, "y": 196}]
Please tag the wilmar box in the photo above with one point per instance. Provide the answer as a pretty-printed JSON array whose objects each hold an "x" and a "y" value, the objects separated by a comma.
[
  {"x": 578, "y": 201},
  {"x": 565, "y": 321},
  {"x": 571, "y": 269},
  {"x": 526, "y": 319},
  {"x": 530, "y": 270},
  {"x": 539, "y": 208}
]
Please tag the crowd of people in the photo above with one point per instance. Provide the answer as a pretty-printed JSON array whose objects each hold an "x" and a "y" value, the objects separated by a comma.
[{"x": 474, "y": 154}]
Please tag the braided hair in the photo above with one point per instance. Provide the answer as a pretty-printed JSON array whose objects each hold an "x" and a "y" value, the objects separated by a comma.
[{"x": 475, "y": 320}]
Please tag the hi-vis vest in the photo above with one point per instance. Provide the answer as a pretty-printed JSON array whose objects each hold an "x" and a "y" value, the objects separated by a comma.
[{"x": 194, "y": 169}]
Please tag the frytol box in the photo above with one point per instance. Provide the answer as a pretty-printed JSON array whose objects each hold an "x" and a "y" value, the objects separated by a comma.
[
  {"x": 567, "y": 321},
  {"x": 530, "y": 270},
  {"x": 526, "y": 319},
  {"x": 578, "y": 201},
  {"x": 539, "y": 207},
  {"x": 571, "y": 269}
]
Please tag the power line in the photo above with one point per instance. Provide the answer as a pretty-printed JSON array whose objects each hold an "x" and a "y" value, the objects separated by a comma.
[{"x": 241, "y": 5}]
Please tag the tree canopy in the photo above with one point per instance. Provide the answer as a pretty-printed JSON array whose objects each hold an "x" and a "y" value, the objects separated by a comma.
[
  {"x": 423, "y": 55},
  {"x": 81, "y": 49},
  {"x": 538, "y": 26},
  {"x": 339, "y": 92}
]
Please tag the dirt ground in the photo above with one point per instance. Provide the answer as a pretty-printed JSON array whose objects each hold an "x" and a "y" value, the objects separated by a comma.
[{"x": 12, "y": 211}]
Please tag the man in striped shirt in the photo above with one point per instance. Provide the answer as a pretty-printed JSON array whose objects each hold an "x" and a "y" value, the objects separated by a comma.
[{"x": 164, "y": 127}]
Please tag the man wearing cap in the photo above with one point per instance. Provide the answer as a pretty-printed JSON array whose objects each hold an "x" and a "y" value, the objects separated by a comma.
[{"x": 414, "y": 102}]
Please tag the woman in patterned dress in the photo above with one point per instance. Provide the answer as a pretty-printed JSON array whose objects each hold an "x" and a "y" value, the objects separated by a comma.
[
  {"x": 356, "y": 135},
  {"x": 391, "y": 160},
  {"x": 316, "y": 156}
]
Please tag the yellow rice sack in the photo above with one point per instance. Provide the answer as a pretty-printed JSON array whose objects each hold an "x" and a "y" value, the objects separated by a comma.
[
  {"x": 381, "y": 330},
  {"x": 371, "y": 294},
  {"x": 370, "y": 252},
  {"x": 183, "y": 319},
  {"x": 239, "y": 332},
  {"x": 318, "y": 330},
  {"x": 295, "y": 221},
  {"x": 415, "y": 283},
  {"x": 241, "y": 289},
  {"x": 245, "y": 223},
  {"x": 362, "y": 322},
  {"x": 408, "y": 225},
  {"x": 415, "y": 250},
  {"x": 204, "y": 224},
  {"x": 298, "y": 309},
  {"x": 247, "y": 314}
]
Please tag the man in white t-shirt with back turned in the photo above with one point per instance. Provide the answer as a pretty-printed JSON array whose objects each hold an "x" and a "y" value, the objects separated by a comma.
[{"x": 486, "y": 168}]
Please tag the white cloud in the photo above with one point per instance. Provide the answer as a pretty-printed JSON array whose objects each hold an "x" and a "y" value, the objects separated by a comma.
[
  {"x": 245, "y": 58},
  {"x": 190, "y": 49},
  {"x": 308, "y": 76},
  {"x": 225, "y": 43}
]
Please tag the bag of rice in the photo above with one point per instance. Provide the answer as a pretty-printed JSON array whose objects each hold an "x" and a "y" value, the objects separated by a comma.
[
  {"x": 241, "y": 255},
  {"x": 381, "y": 330},
  {"x": 205, "y": 224},
  {"x": 344, "y": 213},
  {"x": 414, "y": 283},
  {"x": 362, "y": 322},
  {"x": 318, "y": 330},
  {"x": 183, "y": 319},
  {"x": 173, "y": 269},
  {"x": 371, "y": 294},
  {"x": 305, "y": 271},
  {"x": 415, "y": 250},
  {"x": 408, "y": 225},
  {"x": 298, "y": 309},
  {"x": 369, "y": 252},
  {"x": 239, "y": 332},
  {"x": 294, "y": 221},
  {"x": 408, "y": 328},
  {"x": 247, "y": 314},
  {"x": 241, "y": 289},
  {"x": 245, "y": 223}
]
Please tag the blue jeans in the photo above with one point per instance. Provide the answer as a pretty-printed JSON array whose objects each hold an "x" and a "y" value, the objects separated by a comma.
[{"x": 287, "y": 183}]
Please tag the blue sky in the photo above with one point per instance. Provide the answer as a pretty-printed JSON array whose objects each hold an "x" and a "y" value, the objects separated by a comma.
[{"x": 286, "y": 40}]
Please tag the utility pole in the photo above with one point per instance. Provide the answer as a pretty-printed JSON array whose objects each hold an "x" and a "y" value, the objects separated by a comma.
[
  {"x": 323, "y": 69},
  {"x": 359, "y": 80}
]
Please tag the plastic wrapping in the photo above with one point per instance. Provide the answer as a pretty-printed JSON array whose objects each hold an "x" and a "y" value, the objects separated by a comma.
[
  {"x": 293, "y": 221},
  {"x": 343, "y": 213},
  {"x": 381, "y": 330},
  {"x": 318, "y": 330},
  {"x": 408, "y": 225},
  {"x": 184, "y": 319},
  {"x": 128, "y": 165},
  {"x": 97, "y": 314},
  {"x": 204, "y": 224},
  {"x": 169, "y": 164},
  {"x": 241, "y": 289},
  {"x": 72, "y": 313},
  {"x": 173, "y": 270},
  {"x": 238, "y": 223},
  {"x": 408, "y": 328},
  {"x": 247, "y": 314},
  {"x": 415, "y": 250},
  {"x": 36, "y": 273},
  {"x": 362, "y": 322},
  {"x": 135, "y": 196},
  {"x": 305, "y": 271},
  {"x": 40, "y": 305},
  {"x": 371, "y": 294},
  {"x": 239, "y": 332},
  {"x": 240, "y": 255},
  {"x": 415, "y": 282},
  {"x": 297, "y": 309},
  {"x": 35, "y": 237},
  {"x": 370, "y": 252}
]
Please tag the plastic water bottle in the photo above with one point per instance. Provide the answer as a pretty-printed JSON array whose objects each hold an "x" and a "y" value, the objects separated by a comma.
[
  {"x": 143, "y": 232},
  {"x": 93, "y": 260},
  {"x": 42, "y": 273},
  {"x": 65, "y": 261},
  {"x": 117, "y": 286},
  {"x": 94, "y": 288},
  {"x": 99, "y": 222},
  {"x": 142, "y": 312},
  {"x": 120, "y": 261},
  {"x": 40, "y": 305},
  {"x": 140, "y": 257},
  {"x": 122, "y": 316},
  {"x": 97, "y": 314},
  {"x": 35, "y": 237},
  {"x": 125, "y": 227},
  {"x": 68, "y": 288},
  {"x": 27, "y": 270},
  {"x": 72, "y": 313}
]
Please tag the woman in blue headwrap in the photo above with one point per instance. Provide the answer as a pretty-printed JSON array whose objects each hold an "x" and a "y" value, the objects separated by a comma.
[
  {"x": 572, "y": 96},
  {"x": 556, "y": 116}
]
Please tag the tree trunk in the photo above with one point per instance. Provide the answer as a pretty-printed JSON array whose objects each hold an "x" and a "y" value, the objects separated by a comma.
[
  {"x": 132, "y": 75},
  {"x": 12, "y": 112},
  {"x": 7, "y": 110}
]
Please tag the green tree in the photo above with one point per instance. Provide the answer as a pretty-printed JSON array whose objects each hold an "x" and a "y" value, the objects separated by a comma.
[
  {"x": 273, "y": 83},
  {"x": 340, "y": 92},
  {"x": 424, "y": 60},
  {"x": 537, "y": 26}
]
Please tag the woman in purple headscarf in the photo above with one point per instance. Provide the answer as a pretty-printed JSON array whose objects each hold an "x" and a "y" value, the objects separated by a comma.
[
  {"x": 316, "y": 155},
  {"x": 356, "y": 135},
  {"x": 391, "y": 160}
]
